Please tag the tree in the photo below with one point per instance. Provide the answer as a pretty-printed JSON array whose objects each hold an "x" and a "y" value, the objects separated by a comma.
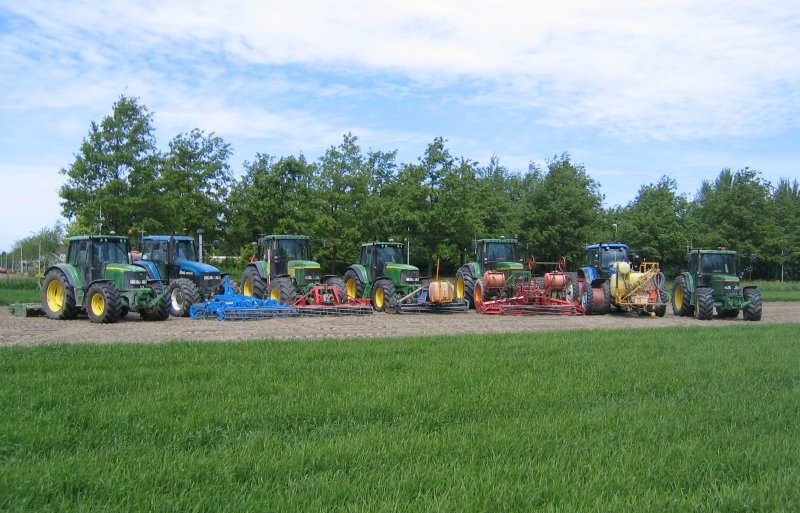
[
  {"x": 783, "y": 241},
  {"x": 43, "y": 247},
  {"x": 194, "y": 183},
  {"x": 114, "y": 173},
  {"x": 563, "y": 211}
]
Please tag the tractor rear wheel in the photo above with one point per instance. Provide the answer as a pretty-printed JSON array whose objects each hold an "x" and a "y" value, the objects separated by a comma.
[
  {"x": 353, "y": 284},
  {"x": 338, "y": 284},
  {"x": 183, "y": 293},
  {"x": 253, "y": 284},
  {"x": 58, "y": 296},
  {"x": 570, "y": 292},
  {"x": 752, "y": 312},
  {"x": 681, "y": 297},
  {"x": 465, "y": 285},
  {"x": 160, "y": 311},
  {"x": 282, "y": 290},
  {"x": 705, "y": 304},
  {"x": 103, "y": 303},
  {"x": 384, "y": 295}
]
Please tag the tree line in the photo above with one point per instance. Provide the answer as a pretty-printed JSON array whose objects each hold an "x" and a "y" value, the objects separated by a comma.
[{"x": 120, "y": 181}]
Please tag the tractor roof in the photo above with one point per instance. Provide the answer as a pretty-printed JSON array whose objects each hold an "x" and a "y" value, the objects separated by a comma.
[
  {"x": 481, "y": 241},
  {"x": 94, "y": 237},
  {"x": 390, "y": 243},
  {"x": 713, "y": 251},
  {"x": 166, "y": 237},
  {"x": 299, "y": 237},
  {"x": 612, "y": 245}
]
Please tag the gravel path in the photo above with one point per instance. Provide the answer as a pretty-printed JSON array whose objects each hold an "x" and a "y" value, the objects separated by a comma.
[{"x": 40, "y": 330}]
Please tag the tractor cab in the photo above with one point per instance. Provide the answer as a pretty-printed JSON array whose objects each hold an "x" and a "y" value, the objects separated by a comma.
[
  {"x": 497, "y": 254},
  {"x": 381, "y": 258},
  {"x": 602, "y": 257},
  {"x": 92, "y": 255},
  {"x": 710, "y": 267},
  {"x": 167, "y": 252},
  {"x": 290, "y": 255}
]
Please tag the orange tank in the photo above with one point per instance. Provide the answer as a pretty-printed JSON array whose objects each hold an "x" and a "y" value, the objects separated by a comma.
[
  {"x": 494, "y": 280},
  {"x": 440, "y": 292},
  {"x": 555, "y": 281}
]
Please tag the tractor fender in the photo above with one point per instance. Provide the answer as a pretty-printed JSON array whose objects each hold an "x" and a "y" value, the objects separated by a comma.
[
  {"x": 69, "y": 270},
  {"x": 361, "y": 271},
  {"x": 150, "y": 267},
  {"x": 261, "y": 267},
  {"x": 590, "y": 275},
  {"x": 475, "y": 268},
  {"x": 196, "y": 268},
  {"x": 690, "y": 284}
]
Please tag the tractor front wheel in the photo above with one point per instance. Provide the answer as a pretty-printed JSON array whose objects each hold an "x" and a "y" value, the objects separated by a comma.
[
  {"x": 353, "y": 284},
  {"x": 752, "y": 312},
  {"x": 465, "y": 285},
  {"x": 384, "y": 295},
  {"x": 160, "y": 311},
  {"x": 282, "y": 290},
  {"x": 58, "y": 296},
  {"x": 253, "y": 284},
  {"x": 681, "y": 297},
  {"x": 570, "y": 292},
  {"x": 338, "y": 285},
  {"x": 103, "y": 303},
  {"x": 705, "y": 304},
  {"x": 183, "y": 294}
]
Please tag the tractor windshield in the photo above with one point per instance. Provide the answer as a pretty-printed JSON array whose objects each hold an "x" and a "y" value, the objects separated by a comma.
[
  {"x": 294, "y": 249},
  {"x": 610, "y": 255},
  {"x": 716, "y": 263},
  {"x": 388, "y": 255},
  {"x": 500, "y": 252},
  {"x": 184, "y": 250},
  {"x": 108, "y": 251}
]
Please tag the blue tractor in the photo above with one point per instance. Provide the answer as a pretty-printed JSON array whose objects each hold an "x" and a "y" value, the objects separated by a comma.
[
  {"x": 173, "y": 259},
  {"x": 594, "y": 287}
]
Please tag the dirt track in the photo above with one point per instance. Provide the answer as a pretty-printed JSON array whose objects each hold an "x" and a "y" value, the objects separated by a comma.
[{"x": 40, "y": 330}]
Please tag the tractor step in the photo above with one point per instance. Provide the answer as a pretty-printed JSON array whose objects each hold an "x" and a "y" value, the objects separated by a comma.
[{"x": 26, "y": 309}]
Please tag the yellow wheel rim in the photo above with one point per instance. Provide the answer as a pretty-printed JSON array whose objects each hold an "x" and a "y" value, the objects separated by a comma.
[
  {"x": 460, "y": 287},
  {"x": 678, "y": 297},
  {"x": 98, "y": 304},
  {"x": 379, "y": 298},
  {"x": 478, "y": 293},
  {"x": 247, "y": 287},
  {"x": 275, "y": 294},
  {"x": 351, "y": 288},
  {"x": 55, "y": 296}
]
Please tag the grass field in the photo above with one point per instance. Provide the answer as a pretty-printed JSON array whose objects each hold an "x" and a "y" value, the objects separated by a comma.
[
  {"x": 698, "y": 419},
  {"x": 777, "y": 291},
  {"x": 19, "y": 290}
]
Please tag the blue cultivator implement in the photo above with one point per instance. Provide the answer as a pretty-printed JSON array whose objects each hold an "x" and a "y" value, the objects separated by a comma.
[{"x": 233, "y": 306}]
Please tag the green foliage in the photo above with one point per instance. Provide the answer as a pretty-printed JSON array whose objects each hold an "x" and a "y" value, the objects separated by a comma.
[
  {"x": 19, "y": 290},
  {"x": 631, "y": 420}
]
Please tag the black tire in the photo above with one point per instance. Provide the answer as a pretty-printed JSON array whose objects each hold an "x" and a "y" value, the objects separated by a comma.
[
  {"x": 588, "y": 295},
  {"x": 338, "y": 284},
  {"x": 660, "y": 310},
  {"x": 353, "y": 284},
  {"x": 752, "y": 312},
  {"x": 58, "y": 296},
  {"x": 570, "y": 292},
  {"x": 682, "y": 298},
  {"x": 103, "y": 303},
  {"x": 705, "y": 304},
  {"x": 183, "y": 293},
  {"x": 586, "y": 299},
  {"x": 124, "y": 312},
  {"x": 606, "y": 297},
  {"x": 282, "y": 290},
  {"x": 253, "y": 284},
  {"x": 466, "y": 282},
  {"x": 159, "y": 312},
  {"x": 384, "y": 296}
]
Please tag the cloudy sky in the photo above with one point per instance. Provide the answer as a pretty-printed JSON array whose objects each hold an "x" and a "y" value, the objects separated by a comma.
[{"x": 631, "y": 90}]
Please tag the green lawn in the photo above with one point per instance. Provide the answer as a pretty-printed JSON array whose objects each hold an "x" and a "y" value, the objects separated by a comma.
[
  {"x": 681, "y": 419},
  {"x": 19, "y": 290}
]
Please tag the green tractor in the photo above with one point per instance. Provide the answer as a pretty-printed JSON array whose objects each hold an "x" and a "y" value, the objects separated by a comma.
[
  {"x": 98, "y": 279},
  {"x": 712, "y": 282},
  {"x": 381, "y": 276},
  {"x": 285, "y": 270},
  {"x": 499, "y": 257}
]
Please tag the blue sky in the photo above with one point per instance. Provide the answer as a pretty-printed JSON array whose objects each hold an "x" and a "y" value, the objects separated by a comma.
[{"x": 632, "y": 91}]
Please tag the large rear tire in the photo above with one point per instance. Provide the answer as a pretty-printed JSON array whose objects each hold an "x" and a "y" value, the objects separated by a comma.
[
  {"x": 103, "y": 304},
  {"x": 752, "y": 312},
  {"x": 705, "y": 304},
  {"x": 681, "y": 298},
  {"x": 570, "y": 292},
  {"x": 384, "y": 296},
  {"x": 253, "y": 284},
  {"x": 465, "y": 285},
  {"x": 183, "y": 293},
  {"x": 353, "y": 284},
  {"x": 58, "y": 296},
  {"x": 337, "y": 284},
  {"x": 282, "y": 290},
  {"x": 160, "y": 311}
]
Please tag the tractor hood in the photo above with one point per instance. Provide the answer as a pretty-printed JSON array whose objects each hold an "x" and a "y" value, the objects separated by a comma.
[
  {"x": 196, "y": 267},
  {"x": 125, "y": 268},
  {"x": 303, "y": 264},
  {"x": 401, "y": 267},
  {"x": 508, "y": 266},
  {"x": 725, "y": 282}
]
